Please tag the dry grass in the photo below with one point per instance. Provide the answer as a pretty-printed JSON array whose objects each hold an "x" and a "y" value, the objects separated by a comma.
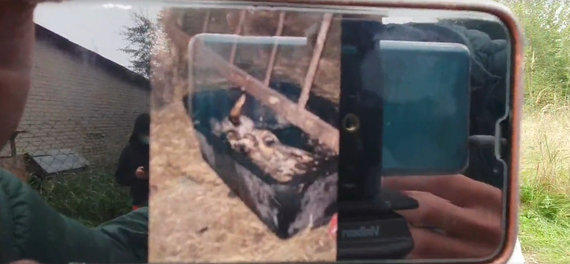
[
  {"x": 545, "y": 146},
  {"x": 545, "y": 185},
  {"x": 203, "y": 223}
]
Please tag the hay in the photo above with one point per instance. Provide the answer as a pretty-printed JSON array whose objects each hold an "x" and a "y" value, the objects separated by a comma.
[{"x": 201, "y": 223}]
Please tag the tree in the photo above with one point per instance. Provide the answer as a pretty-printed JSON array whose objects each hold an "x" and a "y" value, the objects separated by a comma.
[
  {"x": 547, "y": 32},
  {"x": 140, "y": 37}
]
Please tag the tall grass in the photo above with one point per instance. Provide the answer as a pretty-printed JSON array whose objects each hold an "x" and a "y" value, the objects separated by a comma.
[
  {"x": 545, "y": 187},
  {"x": 91, "y": 196},
  {"x": 545, "y": 144}
]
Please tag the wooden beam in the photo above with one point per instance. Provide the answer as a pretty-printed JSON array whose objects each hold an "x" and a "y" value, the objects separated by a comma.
[
  {"x": 13, "y": 142},
  {"x": 237, "y": 32},
  {"x": 314, "y": 65},
  {"x": 178, "y": 37},
  {"x": 308, "y": 122},
  {"x": 275, "y": 49}
]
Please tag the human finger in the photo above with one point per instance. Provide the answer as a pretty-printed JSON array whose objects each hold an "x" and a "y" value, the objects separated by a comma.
[
  {"x": 458, "y": 189},
  {"x": 436, "y": 212},
  {"x": 429, "y": 245},
  {"x": 25, "y": 261}
]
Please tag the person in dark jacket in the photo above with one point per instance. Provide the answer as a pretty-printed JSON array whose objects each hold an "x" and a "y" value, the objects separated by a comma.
[{"x": 133, "y": 170}]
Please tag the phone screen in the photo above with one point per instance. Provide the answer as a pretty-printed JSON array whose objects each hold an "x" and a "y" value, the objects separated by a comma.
[
  {"x": 426, "y": 107},
  {"x": 268, "y": 122}
]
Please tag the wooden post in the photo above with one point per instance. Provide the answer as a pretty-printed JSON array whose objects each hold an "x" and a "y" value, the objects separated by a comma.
[
  {"x": 237, "y": 32},
  {"x": 308, "y": 122},
  {"x": 275, "y": 48},
  {"x": 13, "y": 142},
  {"x": 13, "y": 146},
  {"x": 313, "y": 66},
  {"x": 206, "y": 22}
]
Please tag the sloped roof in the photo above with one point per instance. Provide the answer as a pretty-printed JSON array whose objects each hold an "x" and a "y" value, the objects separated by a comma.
[{"x": 84, "y": 54}]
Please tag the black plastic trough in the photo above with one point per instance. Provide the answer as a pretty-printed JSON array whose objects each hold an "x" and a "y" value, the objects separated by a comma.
[{"x": 286, "y": 208}]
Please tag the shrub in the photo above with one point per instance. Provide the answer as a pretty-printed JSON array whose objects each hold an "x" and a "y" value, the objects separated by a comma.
[{"x": 90, "y": 196}]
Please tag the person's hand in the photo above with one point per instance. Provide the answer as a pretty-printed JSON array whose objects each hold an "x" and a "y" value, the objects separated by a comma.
[
  {"x": 457, "y": 217},
  {"x": 141, "y": 173}
]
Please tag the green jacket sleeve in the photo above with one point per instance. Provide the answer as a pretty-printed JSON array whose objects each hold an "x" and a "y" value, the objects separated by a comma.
[{"x": 30, "y": 229}]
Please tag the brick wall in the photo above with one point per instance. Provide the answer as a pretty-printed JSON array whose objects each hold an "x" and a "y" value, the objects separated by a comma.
[{"x": 75, "y": 104}]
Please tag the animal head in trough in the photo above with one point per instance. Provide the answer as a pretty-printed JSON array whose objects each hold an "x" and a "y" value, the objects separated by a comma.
[{"x": 262, "y": 146}]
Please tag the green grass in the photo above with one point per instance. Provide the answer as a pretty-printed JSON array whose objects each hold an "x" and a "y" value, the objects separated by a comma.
[
  {"x": 545, "y": 186},
  {"x": 90, "y": 196},
  {"x": 542, "y": 241}
]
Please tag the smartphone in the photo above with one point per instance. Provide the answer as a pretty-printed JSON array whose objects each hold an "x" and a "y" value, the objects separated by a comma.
[
  {"x": 425, "y": 95},
  {"x": 419, "y": 93},
  {"x": 297, "y": 125},
  {"x": 279, "y": 127},
  {"x": 404, "y": 110}
]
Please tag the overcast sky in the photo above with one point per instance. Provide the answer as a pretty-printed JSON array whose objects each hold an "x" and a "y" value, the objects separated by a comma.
[
  {"x": 97, "y": 25},
  {"x": 94, "y": 25}
]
